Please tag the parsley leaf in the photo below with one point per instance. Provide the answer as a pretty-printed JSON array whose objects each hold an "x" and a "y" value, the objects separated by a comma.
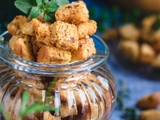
[
  {"x": 35, "y": 12},
  {"x": 25, "y": 5},
  {"x": 61, "y": 2},
  {"x": 35, "y": 8}
]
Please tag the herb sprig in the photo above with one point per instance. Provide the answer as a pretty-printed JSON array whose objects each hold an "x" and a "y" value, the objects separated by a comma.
[
  {"x": 26, "y": 110},
  {"x": 35, "y": 8},
  {"x": 128, "y": 113}
]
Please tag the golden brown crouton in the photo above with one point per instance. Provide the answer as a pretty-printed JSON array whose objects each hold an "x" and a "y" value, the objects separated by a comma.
[
  {"x": 51, "y": 55},
  {"x": 149, "y": 115},
  {"x": 129, "y": 31},
  {"x": 48, "y": 116},
  {"x": 147, "y": 54},
  {"x": 64, "y": 35},
  {"x": 87, "y": 28},
  {"x": 85, "y": 49},
  {"x": 40, "y": 41},
  {"x": 16, "y": 24},
  {"x": 21, "y": 46},
  {"x": 75, "y": 13},
  {"x": 129, "y": 49},
  {"x": 156, "y": 61},
  {"x": 149, "y": 102},
  {"x": 148, "y": 21},
  {"x": 27, "y": 28},
  {"x": 41, "y": 29}
]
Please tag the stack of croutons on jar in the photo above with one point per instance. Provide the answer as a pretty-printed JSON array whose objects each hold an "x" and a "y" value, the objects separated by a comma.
[
  {"x": 66, "y": 40},
  {"x": 149, "y": 105},
  {"x": 139, "y": 44}
]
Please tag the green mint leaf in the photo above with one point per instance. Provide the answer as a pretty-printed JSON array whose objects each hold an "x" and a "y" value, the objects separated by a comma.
[
  {"x": 25, "y": 99},
  {"x": 45, "y": 1},
  {"x": 25, "y": 5},
  {"x": 4, "y": 112},
  {"x": 49, "y": 17},
  {"x": 51, "y": 6},
  {"x": 35, "y": 12},
  {"x": 47, "y": 108},
  {"x": 39, "y": 2},
  {"x": 33, "y": 108},
  {"x": 61, "y": 2},
  {"x": 38, "y": 107}
]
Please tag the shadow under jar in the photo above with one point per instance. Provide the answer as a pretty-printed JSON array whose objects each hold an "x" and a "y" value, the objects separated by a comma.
[{"x": 83, "y": 90}]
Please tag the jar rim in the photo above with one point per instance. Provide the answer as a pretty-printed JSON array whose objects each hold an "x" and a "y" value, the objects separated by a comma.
[{"x": 11, "y": 60}]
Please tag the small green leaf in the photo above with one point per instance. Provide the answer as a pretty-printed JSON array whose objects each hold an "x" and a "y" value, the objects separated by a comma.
[
  {"x": 45, "y": 1},
  {"x": 25, "y": 5},
  {"x": 25, "y": 99},
  {"x": 51, "y": 6},
  {"x": 37, "y": 108},
  {"x": 33, "y": 108},
  {"x": 39, "y": 2},
  {"x": 49, "y": 17},
  {"x": 5, "y": 114},
  {"x": 61, "y": 2},
  {"x": 35, "y": 12},
  {"x": 47, "y": 108}
]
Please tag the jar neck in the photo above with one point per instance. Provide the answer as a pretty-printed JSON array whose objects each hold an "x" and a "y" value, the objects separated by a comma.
[{"x": 19, "y": 64}]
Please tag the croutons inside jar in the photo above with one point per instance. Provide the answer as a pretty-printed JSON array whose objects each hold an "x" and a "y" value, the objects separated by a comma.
[
  {"x": 51, "y": 55},
  {"x": 21, "y": 46}
]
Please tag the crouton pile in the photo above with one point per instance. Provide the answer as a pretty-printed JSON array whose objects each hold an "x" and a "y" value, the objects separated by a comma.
[
  {"x": 66, "y": 40},
  {"x": 139, "y": 44}
]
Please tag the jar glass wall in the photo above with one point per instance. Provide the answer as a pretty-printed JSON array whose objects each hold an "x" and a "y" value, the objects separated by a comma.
[{"x": 83, "y": 90}]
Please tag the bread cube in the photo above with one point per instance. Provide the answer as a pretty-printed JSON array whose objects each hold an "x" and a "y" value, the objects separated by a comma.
[
  {"x": 64, "y": 36},
  {"x": 21, "y": 46},
  {"x": 16, "y": 24},
  {"x": 87, "y": 28},
  {"x": 130, "y": 32},
  {"x": 51, "y": 55},
  {"x": 129, "y": 49},
  {"x": 85, "y": 49},
  {"x": 75, "y": 13},
  {"x": 41, "y": 29},
  {"x": 147, "y": 54}
]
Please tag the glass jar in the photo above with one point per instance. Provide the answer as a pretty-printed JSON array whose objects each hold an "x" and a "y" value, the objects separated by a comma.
[{"x": 83, "y": 90}]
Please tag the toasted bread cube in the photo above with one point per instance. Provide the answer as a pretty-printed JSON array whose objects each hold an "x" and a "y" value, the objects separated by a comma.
[
  {"x": 64, "y": 35},
  {"x": 156, "y": 61},
  {"x": 21, "y": 46},
  {"x": 151, "y": 114},
  {"x": 48, "y": 116},
  {"x": 27, "y": 28},
  {"x": 51, "y": 55},
  {"x": 16, "y": 23},
  {"x": 147, "y": 54},
  {"x": 40, "y": 41},
  {"x": 75, "y": 13},
  {"x": 41, "y": 29},
  {"x": 150, "y": 101},
  {"x": 130, "y": 32},
  {"x": 87, "y": 28},
  {"x": 129, "y": 49},
  {"x": 86, "y": 49}
]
